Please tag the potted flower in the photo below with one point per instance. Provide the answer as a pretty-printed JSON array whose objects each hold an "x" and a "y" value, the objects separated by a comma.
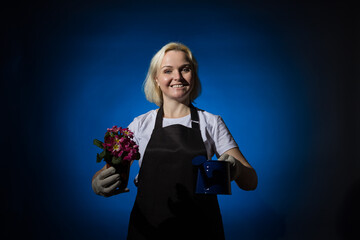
[{"x": 119, "y": 150}]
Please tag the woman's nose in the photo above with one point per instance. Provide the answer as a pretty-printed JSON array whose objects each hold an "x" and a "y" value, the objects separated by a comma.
[{"x": 177, "y": 75}]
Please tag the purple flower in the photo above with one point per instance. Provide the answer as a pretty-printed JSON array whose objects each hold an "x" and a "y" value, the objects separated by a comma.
[{"x": 119, "y": 142}]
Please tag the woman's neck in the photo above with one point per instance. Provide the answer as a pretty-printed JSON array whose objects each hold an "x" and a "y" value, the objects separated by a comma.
[{"x": 173, "y": 109}]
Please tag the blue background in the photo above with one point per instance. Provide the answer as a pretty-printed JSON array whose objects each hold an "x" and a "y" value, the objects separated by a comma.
[{"x": 284, "y": 77}]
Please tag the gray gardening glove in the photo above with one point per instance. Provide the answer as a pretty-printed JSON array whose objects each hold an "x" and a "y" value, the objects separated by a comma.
[
  {"x": 107, "y": 182},
  {"x": 235, "y": 165}
]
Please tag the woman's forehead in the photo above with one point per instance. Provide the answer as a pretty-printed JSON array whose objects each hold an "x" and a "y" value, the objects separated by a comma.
[{"x": 175, "y": 57}]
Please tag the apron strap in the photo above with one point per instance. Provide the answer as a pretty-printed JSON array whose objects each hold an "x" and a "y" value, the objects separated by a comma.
[
  {"x": 159, "y": 118},
  {"x": 194, "y": 118}
]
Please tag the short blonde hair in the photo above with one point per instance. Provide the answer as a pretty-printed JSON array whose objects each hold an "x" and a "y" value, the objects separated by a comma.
[{"x": 152, "y": 91}]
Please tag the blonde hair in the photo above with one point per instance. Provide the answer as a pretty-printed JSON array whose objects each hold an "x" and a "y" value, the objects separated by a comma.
[{"x": 152, "y": 91}]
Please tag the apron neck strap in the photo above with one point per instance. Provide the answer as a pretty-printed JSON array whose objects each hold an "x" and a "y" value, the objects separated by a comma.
[{"x": 194, "y": 117}]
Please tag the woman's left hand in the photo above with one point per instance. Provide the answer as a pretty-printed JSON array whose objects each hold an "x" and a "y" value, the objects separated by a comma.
[
  {"x": 235, "y": 165},
  {"x": 240, "y": 170}
]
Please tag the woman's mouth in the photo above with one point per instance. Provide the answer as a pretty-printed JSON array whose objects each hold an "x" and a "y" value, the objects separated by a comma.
[{"x": 177, "y": 86}]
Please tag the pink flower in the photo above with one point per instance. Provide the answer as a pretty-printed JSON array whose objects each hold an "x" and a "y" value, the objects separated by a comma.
[
  {"x": 114, "y": 129},
  {"x": 120, "y": 153},
  {"x": 118, "y": 141},
  {"x": 127, "y": 132}
]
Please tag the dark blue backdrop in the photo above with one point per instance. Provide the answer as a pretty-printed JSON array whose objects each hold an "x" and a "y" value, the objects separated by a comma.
[{"x": 284, "y": 77}]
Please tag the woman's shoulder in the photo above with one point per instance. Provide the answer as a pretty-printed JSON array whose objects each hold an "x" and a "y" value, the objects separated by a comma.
[
  {"x": 145, "y": 116},
  {"x": 142, "y": 120},
  {"x": 211, "y": 122},
  {"x": 142, "y": 125},
  {"x": 207, "y": 116}
]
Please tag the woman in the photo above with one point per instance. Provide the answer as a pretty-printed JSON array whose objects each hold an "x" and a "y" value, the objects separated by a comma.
[{"x": 166, "y": 206}]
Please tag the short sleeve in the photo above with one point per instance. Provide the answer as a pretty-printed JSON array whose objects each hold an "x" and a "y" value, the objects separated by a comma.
[
  {"x": 223, "y": 140},
  {"x": 142, "y": 127},
  {"x": 134, "y": 128}
]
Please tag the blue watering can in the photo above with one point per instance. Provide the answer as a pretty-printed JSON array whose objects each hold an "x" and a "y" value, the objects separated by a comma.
[{"x": 213, "y": 176}]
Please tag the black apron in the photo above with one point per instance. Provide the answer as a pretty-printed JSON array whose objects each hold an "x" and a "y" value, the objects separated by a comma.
[{"x": 166, "y": 206}]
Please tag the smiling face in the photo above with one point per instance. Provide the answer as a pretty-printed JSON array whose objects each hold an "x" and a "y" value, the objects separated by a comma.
[{"x": 175, "y": 77}]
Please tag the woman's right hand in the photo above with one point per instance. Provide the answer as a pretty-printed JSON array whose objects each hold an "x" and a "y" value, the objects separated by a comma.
[{"x": 106, "y": 183}]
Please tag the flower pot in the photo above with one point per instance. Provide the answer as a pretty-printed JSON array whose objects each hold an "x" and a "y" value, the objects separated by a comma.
[{"x": 123, "y": 169}]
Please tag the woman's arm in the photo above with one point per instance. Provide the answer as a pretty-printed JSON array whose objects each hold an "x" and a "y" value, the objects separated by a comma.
[{"x": 247, "y": 179}]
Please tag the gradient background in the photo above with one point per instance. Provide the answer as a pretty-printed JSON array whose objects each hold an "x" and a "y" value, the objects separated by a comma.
[{"x": 284, "y": 77}]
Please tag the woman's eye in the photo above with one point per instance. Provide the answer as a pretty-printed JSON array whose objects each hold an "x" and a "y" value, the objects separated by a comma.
[
  {"x": 167, "y": 71},
  {"x": 186, "y": 69}
]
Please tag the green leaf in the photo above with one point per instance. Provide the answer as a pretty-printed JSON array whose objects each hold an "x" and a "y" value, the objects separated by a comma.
[
  {"x": 116, "y": 160},
  {"x": 98, "y": 143},
  {"x": 108, "y": 155},
  {"x": 100, "y": 156}
]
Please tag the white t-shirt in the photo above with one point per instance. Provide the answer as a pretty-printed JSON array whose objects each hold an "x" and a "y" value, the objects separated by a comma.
[{"x": 216, "y": 136}]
